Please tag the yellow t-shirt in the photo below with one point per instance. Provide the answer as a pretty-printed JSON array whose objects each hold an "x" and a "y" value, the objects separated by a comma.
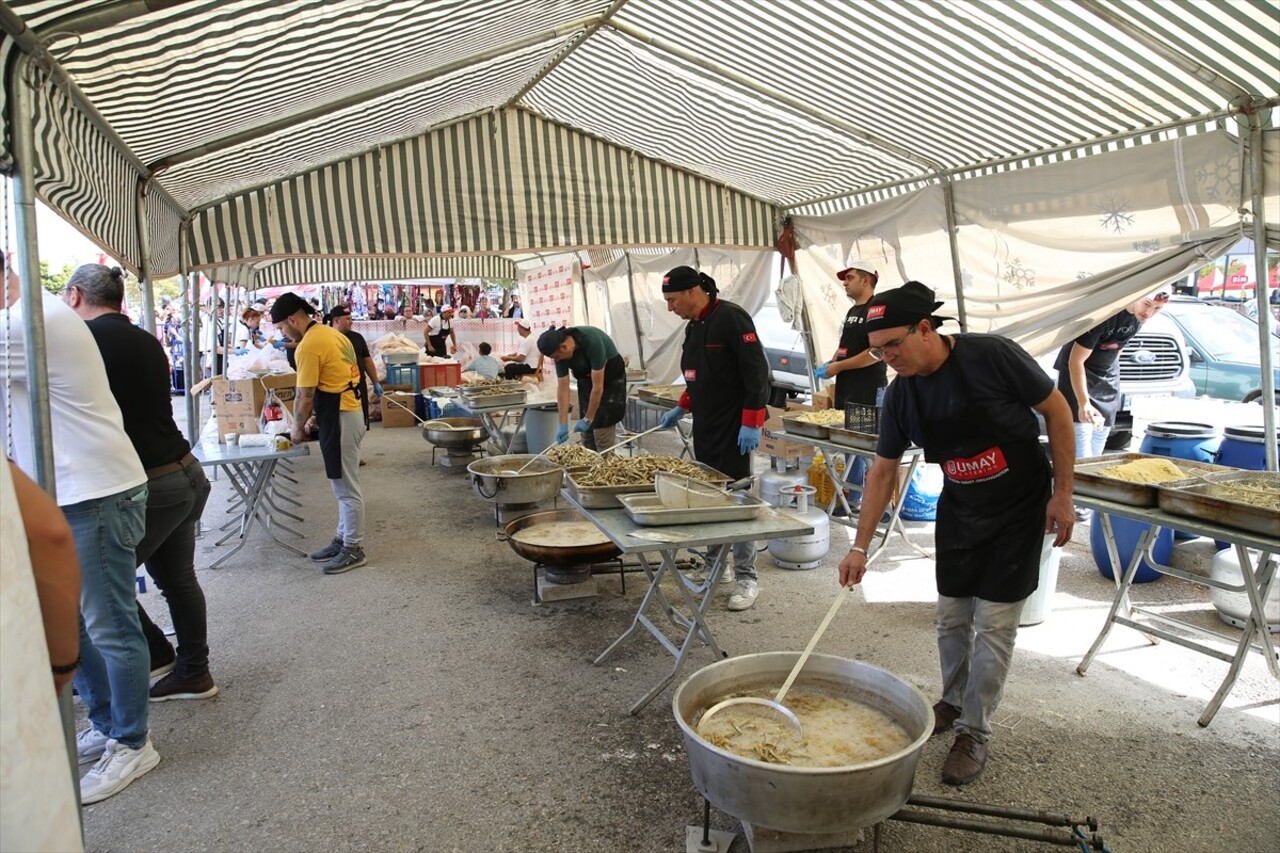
[{"x": 327, "y": 361}]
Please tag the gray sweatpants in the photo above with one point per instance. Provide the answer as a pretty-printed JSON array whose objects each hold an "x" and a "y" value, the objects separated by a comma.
[
  {"x": 975, "y": 647},
  {"x": 744, "y": 559},
  {"x": 347, "y": 489}
]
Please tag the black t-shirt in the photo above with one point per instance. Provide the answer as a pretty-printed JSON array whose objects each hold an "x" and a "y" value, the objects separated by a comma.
[
  {"x": 861, "y": 384},
  {"x": 138, "y": 373},
  {"x": 1106, "y": 340},
  {"x": 981, "y": 368}
]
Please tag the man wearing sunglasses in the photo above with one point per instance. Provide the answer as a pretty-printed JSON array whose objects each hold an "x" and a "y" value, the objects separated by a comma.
[
  {"x": 1089, "y": 372},
  {"x": 967, "y": 400}
]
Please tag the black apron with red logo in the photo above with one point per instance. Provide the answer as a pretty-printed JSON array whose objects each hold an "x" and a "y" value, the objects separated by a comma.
[{"x": 991, "y": 513}]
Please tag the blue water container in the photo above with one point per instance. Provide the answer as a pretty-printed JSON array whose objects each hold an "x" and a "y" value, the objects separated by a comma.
[
  {"x": 1127, "y": 532},
  {"x": 921, "y": 500},
  {"x": 1243, "y": 447},
  {"x": 1182, "y": 440}
]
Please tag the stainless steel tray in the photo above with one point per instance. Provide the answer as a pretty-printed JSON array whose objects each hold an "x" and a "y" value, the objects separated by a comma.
[
  {"x": 497, "y": 401},
  {"x": 647, "y": 510},
  {"x": 1089, "y": 482},
  {"x": 1190, "y": 498},
  {"x": 476, "y": 390},
  {"x": 853, "y": 438},
  {"x": 606, "y": 497},
  {"x": 804, "y": 428}
]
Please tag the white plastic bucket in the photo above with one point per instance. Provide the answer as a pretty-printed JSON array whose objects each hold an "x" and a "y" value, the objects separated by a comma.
[{"x": 1036, "y": 607}]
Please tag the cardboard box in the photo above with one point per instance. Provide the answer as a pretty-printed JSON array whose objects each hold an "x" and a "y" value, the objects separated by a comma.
[
  {"x": 772, "y": 445},
  {"x": 394, "y": 416},
  {"x": 237, "y": 403},
  {"x": 824, "y": 399}
]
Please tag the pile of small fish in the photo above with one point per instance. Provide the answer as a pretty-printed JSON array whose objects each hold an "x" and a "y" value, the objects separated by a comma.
[
  {"x": 572, "y": 456},
  {"x": 635, "y": 471}
]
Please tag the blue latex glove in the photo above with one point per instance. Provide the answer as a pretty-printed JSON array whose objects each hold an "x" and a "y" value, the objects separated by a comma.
[
  {"x": 278, "y": 344},
  {"x": 377, "y": 389},
  {"x": 240, "y": 351},
  {"x": 562, "y": 434},
  {"x": 671, "y": 418},
  {"x": 748, "y": 439},
  {"x": 583, "y": 425},
  {"x": 820, "y": 372}
]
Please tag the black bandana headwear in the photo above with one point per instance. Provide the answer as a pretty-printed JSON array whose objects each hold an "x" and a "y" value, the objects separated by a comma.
[
  {"x": 903, "y": 306},
  {"x": 687, "y": 278}
]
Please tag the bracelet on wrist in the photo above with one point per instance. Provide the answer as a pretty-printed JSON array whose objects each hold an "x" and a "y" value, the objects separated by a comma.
[
  {"x": 859, "y": 549},
  {"x": 63, "y": 669}
]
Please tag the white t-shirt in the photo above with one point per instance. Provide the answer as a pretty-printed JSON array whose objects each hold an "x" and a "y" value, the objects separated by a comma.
[
  {"x": 529, "y": 349},
  {"x": 35, "y": 786},
  {"x": 435, "y": 326},
  {"x": 92, "y": 455}
]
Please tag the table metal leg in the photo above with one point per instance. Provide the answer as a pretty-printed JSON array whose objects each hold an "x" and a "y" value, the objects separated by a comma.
[{"x": 1146, "y": 541}]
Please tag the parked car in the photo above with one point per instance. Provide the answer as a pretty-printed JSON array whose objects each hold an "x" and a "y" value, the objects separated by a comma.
[{"x": 1223, "y": 347}]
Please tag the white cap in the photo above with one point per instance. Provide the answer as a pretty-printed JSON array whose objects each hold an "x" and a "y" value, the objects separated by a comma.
[{"x": 524, "y": 324}]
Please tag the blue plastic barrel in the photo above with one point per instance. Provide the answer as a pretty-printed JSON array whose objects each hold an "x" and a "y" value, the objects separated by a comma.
[
  {"x": 1181, "y": 440},
  {"x": 1127, "y": 533},
  {"x": 1242, "y": 447}
]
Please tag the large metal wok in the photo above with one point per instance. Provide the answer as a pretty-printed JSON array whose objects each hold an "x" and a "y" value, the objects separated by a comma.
[
  {"x": 803, "y": 799},
  {"x": 558, "y": 555},
  {"x": 454, "y": 432}
]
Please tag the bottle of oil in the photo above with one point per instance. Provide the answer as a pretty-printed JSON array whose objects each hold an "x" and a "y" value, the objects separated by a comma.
[{"x": 821, "y": 480}]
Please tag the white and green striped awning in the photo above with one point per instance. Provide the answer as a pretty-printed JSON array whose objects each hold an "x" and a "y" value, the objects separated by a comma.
[{"x": 379, "y": 129}]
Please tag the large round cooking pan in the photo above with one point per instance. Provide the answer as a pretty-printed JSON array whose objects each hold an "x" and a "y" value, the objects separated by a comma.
[
  {"x": 559, "y": 555},
  {"x": 454, "y": 432},
  {"x": 813, "y": 800}
]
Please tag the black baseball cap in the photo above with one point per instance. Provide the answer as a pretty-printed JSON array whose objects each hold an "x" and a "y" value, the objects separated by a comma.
[
  {"x": 903, "y": 306},
  {"x": 289, "y": 304}
]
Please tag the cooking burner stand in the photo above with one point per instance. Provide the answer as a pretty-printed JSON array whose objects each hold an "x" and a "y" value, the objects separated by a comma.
[
  {"x": 561, "y": 583},
  {"x": 457, "y": 457},
  {"x": 1058, "y": 829}
]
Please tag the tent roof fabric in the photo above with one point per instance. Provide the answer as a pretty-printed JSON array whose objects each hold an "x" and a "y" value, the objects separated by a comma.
[{"x": 785, "y": 106}]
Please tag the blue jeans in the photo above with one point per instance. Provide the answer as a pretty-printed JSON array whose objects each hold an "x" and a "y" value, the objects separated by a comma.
[
  {"x": 114, "y": 674},
  {"x": 1090, "y": 440}
]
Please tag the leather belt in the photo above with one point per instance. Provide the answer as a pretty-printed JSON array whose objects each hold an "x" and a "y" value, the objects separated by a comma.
[{"x": 173, "y": 467}]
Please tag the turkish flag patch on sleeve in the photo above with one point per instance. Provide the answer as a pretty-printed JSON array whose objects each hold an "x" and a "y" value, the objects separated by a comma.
[{"x": 749, "y": 338}]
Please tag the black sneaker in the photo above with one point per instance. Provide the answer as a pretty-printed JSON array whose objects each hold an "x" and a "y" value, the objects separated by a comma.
[
  {"x": 328, "y": 552},
  {"x": 346, "y": 560},
  {"x": 162, "y": 664},
  {"x": 173, "y": 687}
]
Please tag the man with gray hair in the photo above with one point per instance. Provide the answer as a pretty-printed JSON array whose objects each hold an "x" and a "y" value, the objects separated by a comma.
[
  {"x": 177, "y": 488},
  {"x": 102, "y": 490}
]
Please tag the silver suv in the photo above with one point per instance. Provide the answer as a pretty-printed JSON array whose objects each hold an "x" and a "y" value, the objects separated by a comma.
[{"x": 1153, "y": 364}]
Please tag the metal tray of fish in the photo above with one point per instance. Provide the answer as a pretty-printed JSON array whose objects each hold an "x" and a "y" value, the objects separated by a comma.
[
  {"x": 647, "y": 510},
  {"x": 793, "y": 426},
  {"x": 666, "y": 395},
  {"x": 1257, "y": 513},
  {"x": 479, "y": 389},
  {"x": 496, "y": 401},
  {"x": 606, "y": 497},
  {"x": 853, "y": 438},
  {"x": 1090, "y": 482}
]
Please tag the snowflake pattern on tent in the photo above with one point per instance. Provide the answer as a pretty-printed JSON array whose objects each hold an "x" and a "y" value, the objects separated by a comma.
[
  {"x": 1115, "y": 217},
  {"x": 1019, "y": 276},
  {"x": 1219, "y": 180},
  {"x": 966, "y": 279},
  {"x": 1146, "y": 247}
]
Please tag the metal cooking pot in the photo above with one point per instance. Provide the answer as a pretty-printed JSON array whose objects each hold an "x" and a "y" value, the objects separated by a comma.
[
  {"x": 801, "y": 799},
  {"x": 559, "y": 555},
  {"x": 494, "y": 479},
  {"x": 460, "y": 432}
]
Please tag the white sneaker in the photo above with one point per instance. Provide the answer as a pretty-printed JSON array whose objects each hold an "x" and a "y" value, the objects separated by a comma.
[
  {"x": 89, "y": 745},
  {"x": 700, "y": 576},
  {"x": 744, "y": 594},
  {"x": 116, "y": 770}
]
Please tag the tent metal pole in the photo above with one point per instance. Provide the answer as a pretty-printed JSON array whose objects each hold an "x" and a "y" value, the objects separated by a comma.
[
  {"x": 1261, "y": 293},
  {"x": 635, "y": 313},
  {"x": 35, "y": 350},
  {"x": 144, "y": 259},
  {"x": 953, "y": 241},
  {"x": 604, "y": 18},
  {"x": 28, "y": 267},
  {"x": 190, "y": 331}
]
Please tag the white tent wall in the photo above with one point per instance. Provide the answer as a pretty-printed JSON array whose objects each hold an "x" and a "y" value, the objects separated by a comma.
[
  {"x": 1046, "y": 252},
  {"x": 742, "y": 276}
]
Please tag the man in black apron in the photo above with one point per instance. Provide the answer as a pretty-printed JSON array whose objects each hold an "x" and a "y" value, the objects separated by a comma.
[
  {"x": 593, "y": 359},
  {"x": 967, "y": 401},
  {"x": 726, "y": 379},
  {"x": 1089, "y": 371},
  {"x": 859, "y": 375},
  {"x": 329, "y": 385},
  {"x": 439, "y": 330}
]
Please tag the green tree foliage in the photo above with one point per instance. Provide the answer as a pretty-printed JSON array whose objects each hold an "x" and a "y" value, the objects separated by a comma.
[{"x": 55, "y": 282}]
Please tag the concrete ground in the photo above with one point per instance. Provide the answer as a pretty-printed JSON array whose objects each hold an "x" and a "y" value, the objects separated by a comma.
[{"x": 424, "y": 703}]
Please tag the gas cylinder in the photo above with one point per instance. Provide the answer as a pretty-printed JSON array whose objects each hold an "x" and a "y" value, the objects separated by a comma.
[
  {"x": 779, "y": 477},
  {"x": 1233, "y": 607},
  {"x": 802, "y": 552}
]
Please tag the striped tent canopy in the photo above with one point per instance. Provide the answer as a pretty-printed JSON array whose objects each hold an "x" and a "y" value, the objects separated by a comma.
[{"x": 395, "y": 133}]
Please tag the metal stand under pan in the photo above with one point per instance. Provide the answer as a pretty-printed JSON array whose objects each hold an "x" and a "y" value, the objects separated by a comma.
[
  {"x": 1056, "y": 829},
  {"x": 562, "y": 583}
]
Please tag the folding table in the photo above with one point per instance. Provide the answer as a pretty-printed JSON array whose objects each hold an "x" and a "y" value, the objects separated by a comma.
[{"x": 667, "y": 541}]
